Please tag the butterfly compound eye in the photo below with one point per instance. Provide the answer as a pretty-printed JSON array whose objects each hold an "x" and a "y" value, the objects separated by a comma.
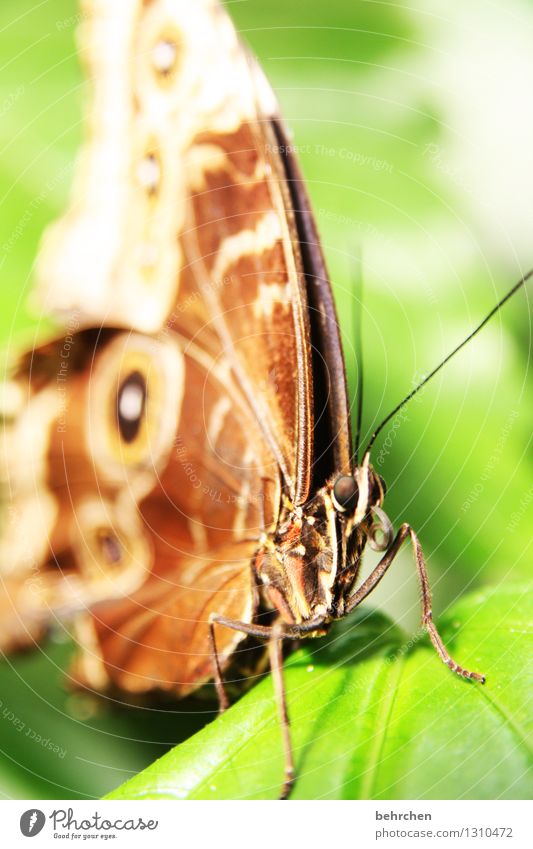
[
  {"x": 131, "y": 402},
  {"x": 345, "y": 493}
]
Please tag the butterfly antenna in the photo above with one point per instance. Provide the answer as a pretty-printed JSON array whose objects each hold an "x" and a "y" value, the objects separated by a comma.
[
  {"x": 523, "y": 280},
  {"x": 358, "y": 330}
]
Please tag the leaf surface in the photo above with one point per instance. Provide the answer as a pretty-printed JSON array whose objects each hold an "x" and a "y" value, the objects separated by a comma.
[{"x": 376, "y": 715}]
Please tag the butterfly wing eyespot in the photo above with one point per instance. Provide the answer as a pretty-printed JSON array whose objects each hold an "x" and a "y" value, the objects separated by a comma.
[
  {"x": 110, "y": 546},
  {"x": 131, "y": 404},
  {"x": 345, "y": 493},
  {"x": 165, "y": 56},
  {"x": 138, "y": 382},
  {"x": 112, "y": 552},
  {"x": 149, "y": 172}
]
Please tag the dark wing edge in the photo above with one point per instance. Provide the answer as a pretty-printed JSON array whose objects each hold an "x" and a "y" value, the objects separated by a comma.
[{"x": 333, "y": 437}]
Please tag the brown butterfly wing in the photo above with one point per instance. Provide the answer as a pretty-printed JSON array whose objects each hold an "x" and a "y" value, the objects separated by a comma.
[
  {"x": 181, "y": 214},
  {"x": 183, "y": 225},
  {"x": 157, "y": 638},
  {"x": 140, "y": 543},
  {"x": 217, "y": 493},
  {"x": 332, "y": 431}
]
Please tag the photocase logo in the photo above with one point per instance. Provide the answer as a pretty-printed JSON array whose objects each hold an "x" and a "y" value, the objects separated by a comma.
[{"x": 32, "y": 822}]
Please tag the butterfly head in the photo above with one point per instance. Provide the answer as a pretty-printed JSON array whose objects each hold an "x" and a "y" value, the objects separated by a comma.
[
  {"x": 353, "y": 503},
  {"x": 312, "y": 564}
]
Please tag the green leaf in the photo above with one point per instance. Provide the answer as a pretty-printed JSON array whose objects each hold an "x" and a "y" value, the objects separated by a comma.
[
  {"x": 57, "y": 743},
  {"x": 376, "y": 715}
]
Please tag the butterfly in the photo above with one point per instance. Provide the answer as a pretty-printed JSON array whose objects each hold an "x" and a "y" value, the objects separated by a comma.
[{"x": 178, "y": 462}]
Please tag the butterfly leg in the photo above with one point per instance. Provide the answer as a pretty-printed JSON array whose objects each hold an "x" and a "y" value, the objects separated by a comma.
[
  {"x": 427, "y": 617},
  {"x": 275, "y": 649},
  {"x": 275, "y": 636},
  {"x": 223, "y": 701},
  {"x": 252, "y": 630}
]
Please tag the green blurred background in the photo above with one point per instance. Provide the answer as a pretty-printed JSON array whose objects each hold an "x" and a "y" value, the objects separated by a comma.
[{"x": 415, "y": 130}]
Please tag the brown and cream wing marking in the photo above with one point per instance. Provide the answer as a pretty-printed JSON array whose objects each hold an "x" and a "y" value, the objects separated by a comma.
[
  {"x": 218, "y": 492},
  {"x": 181, "y": 216},
  {"x": 140, "y": 539},
  {"x": 157, "y": 638}
]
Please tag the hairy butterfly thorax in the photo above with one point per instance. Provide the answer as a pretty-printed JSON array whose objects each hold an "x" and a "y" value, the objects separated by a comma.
[{"x": 177, "y": 461}]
